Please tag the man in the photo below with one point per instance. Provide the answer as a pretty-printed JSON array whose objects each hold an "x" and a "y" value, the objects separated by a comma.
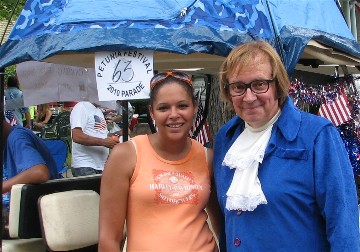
[
  {"x": 14, "y": 102},
  {"x": 27, "y": 160},
  {"x": 90, "y": 140},
  {"x": 119, "y": 112},
  {"x": 283, "y": 177}
]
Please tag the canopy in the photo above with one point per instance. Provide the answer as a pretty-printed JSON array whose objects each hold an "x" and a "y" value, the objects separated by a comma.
[{"x": 66, "y": 31}]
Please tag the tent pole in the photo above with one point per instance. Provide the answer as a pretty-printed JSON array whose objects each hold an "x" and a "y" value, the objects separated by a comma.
[
  {"x": 278, "y": 43},
  {"x": 347, "y": 12},
  {"x": 2, "y": 84},
  {"x": 353, "y": 20},
  {"x": 125, "y": 118}
]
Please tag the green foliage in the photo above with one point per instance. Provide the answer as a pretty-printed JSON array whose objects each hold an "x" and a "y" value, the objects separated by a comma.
[
  {"x": 9, "y": 71},
  {"x": 7, "y": 7},
  {"x": 6, "y": 12}
]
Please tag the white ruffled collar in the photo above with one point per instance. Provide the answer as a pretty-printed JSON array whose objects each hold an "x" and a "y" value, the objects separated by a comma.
[{"x": 244, "y": 155}]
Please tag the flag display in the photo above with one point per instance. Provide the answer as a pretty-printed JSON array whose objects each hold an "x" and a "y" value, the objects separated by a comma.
[
  {"x": 337, "y": 111},
  {"x": 203, "y": 134},
  {"x": 10, "y": 117}
]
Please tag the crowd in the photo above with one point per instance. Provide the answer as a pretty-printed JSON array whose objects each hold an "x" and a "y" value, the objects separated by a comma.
[{"x": 277, "y": 179}]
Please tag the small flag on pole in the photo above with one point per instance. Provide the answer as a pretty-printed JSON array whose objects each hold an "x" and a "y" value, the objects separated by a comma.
[{"x": 337, "y": 111}]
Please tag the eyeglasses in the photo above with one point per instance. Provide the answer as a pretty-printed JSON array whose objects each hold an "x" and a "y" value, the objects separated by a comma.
[
  {"x": 256, "y": 86},
  {"x": 177, "y": 75}
]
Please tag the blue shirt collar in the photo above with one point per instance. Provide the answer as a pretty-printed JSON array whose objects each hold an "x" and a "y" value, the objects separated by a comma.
[{"x": 288, "y": 122}]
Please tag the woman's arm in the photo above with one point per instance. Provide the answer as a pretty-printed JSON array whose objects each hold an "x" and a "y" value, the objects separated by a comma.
[
  {"x": 114, "y": 191},
  {"x": 28, "y": 119},
  {"x": 213, "y": 207},
  {"x": 47, "y": 117},
  {"x": 37, "y": 117}
]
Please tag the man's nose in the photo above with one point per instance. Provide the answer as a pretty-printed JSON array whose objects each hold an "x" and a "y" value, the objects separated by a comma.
[{"x": 249, "y": 95}]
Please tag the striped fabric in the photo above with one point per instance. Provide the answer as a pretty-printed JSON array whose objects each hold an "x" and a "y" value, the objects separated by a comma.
[
  {"x": 204, "y": 135},
  {"x": 337, "y": 111},
  {"x": 10, "y": 117}
]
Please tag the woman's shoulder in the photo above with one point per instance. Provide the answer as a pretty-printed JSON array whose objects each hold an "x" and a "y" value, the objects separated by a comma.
[
  {"x": 123, "y": 149},
  {"x": 122, "y": 155}
]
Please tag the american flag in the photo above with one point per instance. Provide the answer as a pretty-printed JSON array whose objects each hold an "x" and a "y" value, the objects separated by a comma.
[
  {"x": 337, "y": 111},
  {"x": 203, "y": 134},
  {"x": 9, "y": 115},
  {"x": 100, "y": 123}
]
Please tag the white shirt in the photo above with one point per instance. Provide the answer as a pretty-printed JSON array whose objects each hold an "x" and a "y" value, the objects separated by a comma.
[{"x": 91, "y": 120}]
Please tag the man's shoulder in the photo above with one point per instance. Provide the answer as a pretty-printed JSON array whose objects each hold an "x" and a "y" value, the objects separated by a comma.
[
  {"x": 83, "y": 106},
  {"x": 12, "y": 90},
  {"x": 19, "y": 131}
]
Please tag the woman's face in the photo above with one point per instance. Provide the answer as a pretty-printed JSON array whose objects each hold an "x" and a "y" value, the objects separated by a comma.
[
  {"x": 255, "y": 109},
  {"x": 173, "y": 111}
]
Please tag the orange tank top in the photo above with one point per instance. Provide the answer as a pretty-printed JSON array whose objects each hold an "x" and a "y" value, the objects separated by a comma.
[{"x": 167, "y": 200}]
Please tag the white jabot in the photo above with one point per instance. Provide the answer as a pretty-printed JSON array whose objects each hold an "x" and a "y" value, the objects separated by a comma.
[{"x": 244, "y": 155}]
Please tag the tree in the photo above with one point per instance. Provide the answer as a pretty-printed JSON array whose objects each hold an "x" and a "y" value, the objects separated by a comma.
[
  {"x": 218, "y": 112},
  {"x": 10, "y": 9}
]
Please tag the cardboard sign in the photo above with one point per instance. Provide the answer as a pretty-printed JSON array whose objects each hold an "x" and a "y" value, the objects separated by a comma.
[
  {"x": 43, "y": 82},
  {"x": 123, "y": 75}
]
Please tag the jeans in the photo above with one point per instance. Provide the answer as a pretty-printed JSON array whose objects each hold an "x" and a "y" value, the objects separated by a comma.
[
  {"x": 5, "y": 222},
  {"x": 84, "y": 171}
]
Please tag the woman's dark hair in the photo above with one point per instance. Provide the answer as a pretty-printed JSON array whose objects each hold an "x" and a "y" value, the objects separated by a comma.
[{"x": 188, "y": 88}]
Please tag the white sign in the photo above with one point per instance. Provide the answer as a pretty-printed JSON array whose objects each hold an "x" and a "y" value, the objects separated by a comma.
[
  {"x": 124, "y": 75},
  {"x": 43, "y": 82}
]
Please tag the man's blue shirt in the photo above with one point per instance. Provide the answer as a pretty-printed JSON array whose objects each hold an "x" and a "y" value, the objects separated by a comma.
[{"x": 24, "y": 150}]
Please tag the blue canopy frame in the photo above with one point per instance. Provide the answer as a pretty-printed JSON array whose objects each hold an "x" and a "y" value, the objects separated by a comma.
[{"x": 48, "y": 28}]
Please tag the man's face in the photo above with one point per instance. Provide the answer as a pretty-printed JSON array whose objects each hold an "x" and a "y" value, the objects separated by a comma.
[{"x": 256, "y": 109}]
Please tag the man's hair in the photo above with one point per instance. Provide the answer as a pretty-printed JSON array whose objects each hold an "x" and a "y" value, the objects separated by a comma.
[
  {"x": 12, "y": 81},
  {"x": 245, "y": 55}
]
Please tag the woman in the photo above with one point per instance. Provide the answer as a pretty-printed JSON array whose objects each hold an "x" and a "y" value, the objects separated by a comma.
[
  {"x": 160, "y": 183},
  {"x": 283, "y": 177},
  {"x": 43, "y": 116}
]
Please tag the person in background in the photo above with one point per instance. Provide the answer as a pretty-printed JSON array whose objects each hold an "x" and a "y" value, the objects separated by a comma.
[
  {"x": 160, "y": 183},
  {"x": 283, "y": 176},
  {"x": 32, "y": 111},
  {"x": 43, "y": 116},
  {"x": 117, "y": 118},
  {"x": 14, "y": 102},
  {"x": 118, "y": 115},
  {"x": 27, "y": 160},
  {"x": 90, "y": 139}
]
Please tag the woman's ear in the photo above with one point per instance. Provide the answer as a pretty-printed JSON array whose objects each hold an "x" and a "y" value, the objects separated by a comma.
[{"x": 151, "y": 112}]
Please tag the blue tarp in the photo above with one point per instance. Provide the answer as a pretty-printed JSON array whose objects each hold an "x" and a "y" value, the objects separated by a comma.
[{"x": 49, "y": 27}]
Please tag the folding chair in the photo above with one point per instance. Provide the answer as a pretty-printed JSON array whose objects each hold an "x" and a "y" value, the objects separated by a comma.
[
  {"x": 59, "y": 127},
  {"x": 58, "y": 149}
]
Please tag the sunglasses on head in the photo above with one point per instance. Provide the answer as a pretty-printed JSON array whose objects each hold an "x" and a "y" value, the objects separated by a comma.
[{"x": 177, "y": 75}]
